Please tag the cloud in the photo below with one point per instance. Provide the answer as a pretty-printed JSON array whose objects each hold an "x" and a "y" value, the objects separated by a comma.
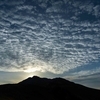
[
  {"x": 91, "y": 80},
  {"x": 28, "y": 38},
  {"x": 84, "y": 73},
  {"x": 12, "y": 2}
]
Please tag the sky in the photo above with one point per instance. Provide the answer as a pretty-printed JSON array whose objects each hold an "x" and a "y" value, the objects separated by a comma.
[{"x": 50, "y": 38}]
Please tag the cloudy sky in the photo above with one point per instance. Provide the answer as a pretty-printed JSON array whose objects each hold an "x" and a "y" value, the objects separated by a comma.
[{"x": 50, "y": 38}]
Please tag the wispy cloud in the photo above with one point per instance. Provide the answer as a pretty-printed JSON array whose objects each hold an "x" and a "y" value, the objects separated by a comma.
[{"x": 91, "y": 80}]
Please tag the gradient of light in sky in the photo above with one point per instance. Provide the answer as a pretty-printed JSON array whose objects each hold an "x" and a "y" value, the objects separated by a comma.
[{"x": 50, "y": 38}]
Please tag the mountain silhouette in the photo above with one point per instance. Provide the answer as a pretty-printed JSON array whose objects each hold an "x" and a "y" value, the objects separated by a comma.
[{"x": 37, "y": 88}]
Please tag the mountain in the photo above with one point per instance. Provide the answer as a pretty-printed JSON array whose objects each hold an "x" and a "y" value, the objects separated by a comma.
[{"x": 37, "y": 88}]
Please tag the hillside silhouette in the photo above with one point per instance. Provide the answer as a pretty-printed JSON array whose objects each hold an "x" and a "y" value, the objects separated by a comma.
[{"x": 37, "y": 88}]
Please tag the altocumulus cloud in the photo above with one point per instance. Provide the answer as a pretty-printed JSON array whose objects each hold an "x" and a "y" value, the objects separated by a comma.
[{"x": 48, "y": 35}]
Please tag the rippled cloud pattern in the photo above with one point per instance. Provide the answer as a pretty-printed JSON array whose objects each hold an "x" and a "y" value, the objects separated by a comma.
[{"x": 48, "y": 35}]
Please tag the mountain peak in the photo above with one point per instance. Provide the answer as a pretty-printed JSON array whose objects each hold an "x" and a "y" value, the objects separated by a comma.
[
  {"x": 35, "y": 77},
  {"x": 36, "y": 80}
]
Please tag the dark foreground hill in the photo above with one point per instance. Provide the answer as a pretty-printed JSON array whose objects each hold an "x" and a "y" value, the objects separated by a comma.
[{"x": 36, "y": 88}]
